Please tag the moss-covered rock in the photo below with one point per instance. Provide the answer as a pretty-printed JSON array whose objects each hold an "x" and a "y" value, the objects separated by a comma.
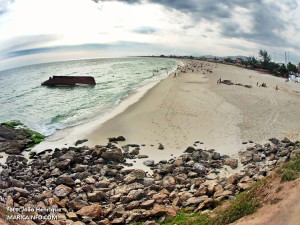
[
  {"x": 15, "y": 137},
  {"x": 12, "y": 124}
]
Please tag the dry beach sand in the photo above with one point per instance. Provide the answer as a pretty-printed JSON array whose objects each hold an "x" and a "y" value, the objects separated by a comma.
[{"x": 193, "y": 107}]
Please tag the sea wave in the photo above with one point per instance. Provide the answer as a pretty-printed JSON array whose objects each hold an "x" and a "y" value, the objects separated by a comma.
[{"x": 59, "y": 118}]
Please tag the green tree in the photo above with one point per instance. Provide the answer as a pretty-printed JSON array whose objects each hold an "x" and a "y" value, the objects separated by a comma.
[
  {"x": 265, "y": 58},
  {"x": 283, "y": 70},
  {"x": 291, "y": 67},
  {"x": 245, "y": 63},
  {"x": 252, "y": 61},
  {"x": 228, "y": 60},
  {"x": 273, "y": 67}
]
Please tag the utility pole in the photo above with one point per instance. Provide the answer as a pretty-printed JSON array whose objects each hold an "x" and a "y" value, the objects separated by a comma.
[{"x": 285, "y": 58}]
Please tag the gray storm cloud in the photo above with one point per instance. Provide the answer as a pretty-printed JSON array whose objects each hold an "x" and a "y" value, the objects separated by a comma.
[{"x": 267, "y": 18}]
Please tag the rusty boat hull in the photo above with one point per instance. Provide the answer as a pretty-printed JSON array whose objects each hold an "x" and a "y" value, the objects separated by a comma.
[{"x": 69, "y": 81}]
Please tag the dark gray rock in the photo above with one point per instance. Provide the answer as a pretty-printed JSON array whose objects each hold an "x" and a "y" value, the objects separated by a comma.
[
  {"x": 134, "y": 176},
  {"x": 206, "y": 155},
  {"x": 194, "y": 201},
  {"x": 62, "y": 190},
  {"x": 135, "y": 151},
  {"x": 142, "y": 156},
  {"x": 77, "y": 204},
  {"x": 80, "y": 168},
  {"x": 16, "y": 183},
  {"x": 79, "y": 142},
  {"x": 275, "y": 141},
  {"x": 199, "y": 168},
  {"x": 121, "y": 138},
  {"x": 133, "y": 145},
  {"x": 64, "y": 164},
  {"x": 56, "y": 172},
  {"x": 284, "y": 152},
  {"x": 149, "y": 162},
  {"x": 190, "y": 149},
  {"x": 165, "y": 168},
  {"x": 136, "y": 194},
  {"x": 65, "y": 179},
  {"x": 14, "y": 141},
  {"x": 285, "y": 140},
  {"x": 160, "y": 146},
  {"x": 80, "y": 176},
  {"x": 96, "y": 196},
  {"x": 233, "y": 163},
  {"x": 23, "y": 192},
  {"x": 169, "y": 183},
  {"x": 69, "y": 155},
  {"x": 246, "y": 158},
  {"x": 112, "y": 139},
  {"x": 282, "y": 160},
  {"x": 216, "y": 156},
  {"x": 274, "y": 149},
  {"x": 113, "y": 155},
  {"x": 133, "y": 205},
  {"x": 147, "y": 204},
  {"x": 256, "y": 158}
]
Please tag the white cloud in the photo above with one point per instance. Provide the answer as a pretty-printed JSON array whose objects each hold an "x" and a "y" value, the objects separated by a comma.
[
  {"x": 173, "y": 27},
  {"x": 34, "y": 17}
]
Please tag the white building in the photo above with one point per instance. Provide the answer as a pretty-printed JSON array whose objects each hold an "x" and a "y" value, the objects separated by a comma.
[{"x": 294, "y": 77}]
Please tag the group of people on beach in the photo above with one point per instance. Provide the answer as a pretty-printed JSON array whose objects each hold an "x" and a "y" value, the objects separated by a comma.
[
  {"x": 265, "y": 85},
  {"x": 195, "y": 67},
  {"x": 192, "y": 68},
  {"x": 262, "y": 85}
]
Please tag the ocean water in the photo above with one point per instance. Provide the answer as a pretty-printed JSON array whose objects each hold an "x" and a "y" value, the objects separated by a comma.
[{"x": 47, "y": 109}]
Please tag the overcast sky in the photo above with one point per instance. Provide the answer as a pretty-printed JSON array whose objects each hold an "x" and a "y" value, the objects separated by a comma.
[{"x": 34, "y": 31}]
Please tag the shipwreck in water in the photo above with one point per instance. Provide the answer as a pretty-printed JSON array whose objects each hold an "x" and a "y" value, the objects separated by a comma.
[{"x": 69, "y": 81}]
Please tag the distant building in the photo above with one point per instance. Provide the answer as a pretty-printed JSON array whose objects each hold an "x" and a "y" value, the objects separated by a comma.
[
  {"x": 299, "y": 67},
  {"x": 211, "y": 59},
  {"x": 294, "y": 77}
]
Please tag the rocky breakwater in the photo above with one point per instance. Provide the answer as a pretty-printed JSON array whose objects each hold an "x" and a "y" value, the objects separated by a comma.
[{"x": 94, "y": 186}]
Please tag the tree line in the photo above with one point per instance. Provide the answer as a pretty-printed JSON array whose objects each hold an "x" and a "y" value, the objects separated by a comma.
[{"x": 264, "y": 62}]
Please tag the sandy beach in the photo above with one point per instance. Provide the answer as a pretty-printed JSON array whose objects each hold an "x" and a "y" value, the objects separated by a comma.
[{"x": 191, "y": 107}]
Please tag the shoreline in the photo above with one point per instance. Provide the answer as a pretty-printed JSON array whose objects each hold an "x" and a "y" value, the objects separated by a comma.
[
  {"x": 178, "y": 111},
  {"x": 68, "y": 136}
]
